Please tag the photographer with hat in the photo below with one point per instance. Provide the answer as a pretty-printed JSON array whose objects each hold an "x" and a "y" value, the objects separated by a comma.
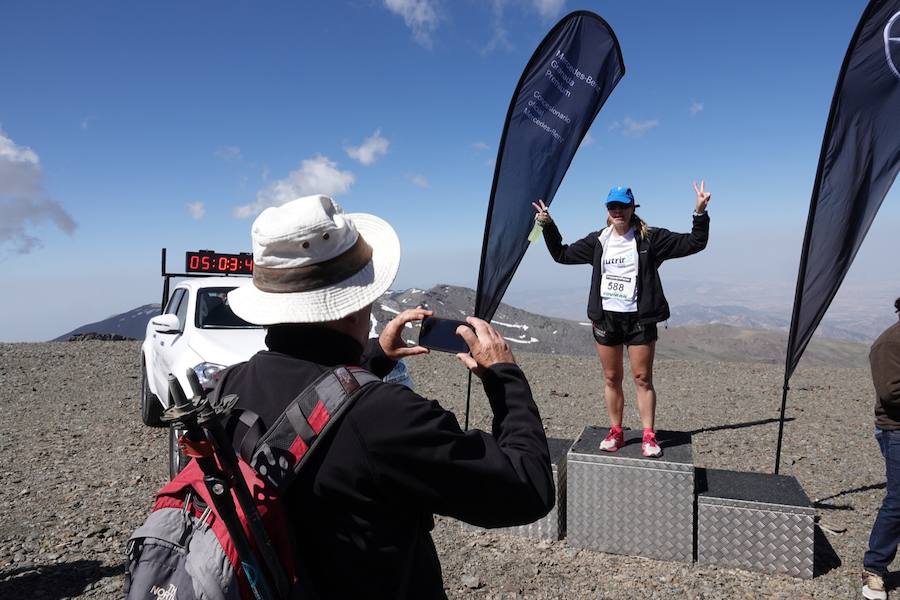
[
  {"x": 362, "y": 509},
  {"x": 626, "y": 298}
]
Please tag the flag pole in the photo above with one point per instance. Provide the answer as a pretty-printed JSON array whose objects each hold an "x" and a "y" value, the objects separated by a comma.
[{"x": 781, "y": 424}]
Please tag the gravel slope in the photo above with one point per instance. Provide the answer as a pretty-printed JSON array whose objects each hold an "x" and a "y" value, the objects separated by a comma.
[{"x": 79, "y": 471}]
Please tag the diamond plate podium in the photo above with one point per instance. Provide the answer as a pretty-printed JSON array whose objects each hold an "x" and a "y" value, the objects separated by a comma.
[
  {"x": 624, "y": 503},
  {"x": 754, "y": 521},
  {"x": 553, "y": 525}
]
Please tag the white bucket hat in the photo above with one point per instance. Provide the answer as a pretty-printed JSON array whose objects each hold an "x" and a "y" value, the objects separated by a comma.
[{"x": 313, "y": 263}]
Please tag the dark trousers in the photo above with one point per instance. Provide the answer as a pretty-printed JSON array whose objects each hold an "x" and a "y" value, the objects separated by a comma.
[{"x": 886, "y": 530}]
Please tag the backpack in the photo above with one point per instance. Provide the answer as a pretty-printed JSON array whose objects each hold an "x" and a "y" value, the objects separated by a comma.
[{"x": 183, "y": 551}]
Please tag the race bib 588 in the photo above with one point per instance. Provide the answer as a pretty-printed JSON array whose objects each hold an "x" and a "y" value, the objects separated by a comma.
[{"x": 617, "y": 286}]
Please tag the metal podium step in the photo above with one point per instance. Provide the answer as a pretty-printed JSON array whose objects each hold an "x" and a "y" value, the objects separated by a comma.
[
  {"x": 754, "y": 521},
  {"x": 624, "y": 503}
]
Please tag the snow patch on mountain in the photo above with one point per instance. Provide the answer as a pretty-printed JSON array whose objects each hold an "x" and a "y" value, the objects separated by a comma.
[{"x": 528, "y": 341}]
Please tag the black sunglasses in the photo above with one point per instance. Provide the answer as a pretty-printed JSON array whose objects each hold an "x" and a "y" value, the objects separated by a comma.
[{"x": 617, "y": 206}]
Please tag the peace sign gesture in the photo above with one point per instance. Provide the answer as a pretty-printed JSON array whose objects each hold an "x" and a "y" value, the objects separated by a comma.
[
  {"x": 543, "y": 212},
  {"x": 703, "y": 197}
]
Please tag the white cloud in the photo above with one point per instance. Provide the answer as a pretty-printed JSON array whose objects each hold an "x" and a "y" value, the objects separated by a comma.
[
  {"x": 418, "y": 180},
  {"x": 481, "y": 146},
  {"x": 197, "y": 210},
  {"x": 549, "y": 8},
  {"x": 631, "y": 128},
  {"x": 86, "y": 122},
  {"x": 500, "y": 35},
  {"x": 12, "y": 153},
  {"x": 499, "y": 39},
  {"x": 696, "y": 107},
  {"x": 228, "y": 153},
  {"x": 24, "y": 203},
  {"x": 421, "y": 16},
  {"x": 373, "y": 147},
  {"x": 317, "y": 175},
  {"x": 587, "y": 140}
]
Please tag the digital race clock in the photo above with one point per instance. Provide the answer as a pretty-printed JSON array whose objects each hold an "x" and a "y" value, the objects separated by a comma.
[{"x": 208, "y": 261}]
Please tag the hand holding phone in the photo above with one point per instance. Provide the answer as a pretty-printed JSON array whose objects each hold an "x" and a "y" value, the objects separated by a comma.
[
  {"x": 440, "y": 334},
  {"x": 486, "y": 345},
  {"x": 391, "y": 338}
]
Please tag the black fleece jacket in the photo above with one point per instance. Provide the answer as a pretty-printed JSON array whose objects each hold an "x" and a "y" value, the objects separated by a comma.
[
  {"x": 659, "y": 245},
  {"x": 362, "y": 508}
]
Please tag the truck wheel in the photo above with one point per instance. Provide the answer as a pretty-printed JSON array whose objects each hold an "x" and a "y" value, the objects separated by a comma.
[
  {"x": 177, "y": 459},
  {"x": 151, "y": 407}
]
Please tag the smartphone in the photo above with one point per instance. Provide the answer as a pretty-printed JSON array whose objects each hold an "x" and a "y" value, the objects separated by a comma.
[{"x": 440, "y": 334}]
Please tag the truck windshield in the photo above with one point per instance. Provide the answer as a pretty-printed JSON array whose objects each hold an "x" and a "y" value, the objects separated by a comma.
[{"x": 213, "y": 311}]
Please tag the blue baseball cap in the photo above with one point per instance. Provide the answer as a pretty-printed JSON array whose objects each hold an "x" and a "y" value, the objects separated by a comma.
[{"x": 620, "y": 194}]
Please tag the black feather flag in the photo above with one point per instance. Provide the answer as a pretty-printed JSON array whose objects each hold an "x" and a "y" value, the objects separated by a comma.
[
  {"x": 858, "y": 163},
  {"x": 566, "y": 82}
]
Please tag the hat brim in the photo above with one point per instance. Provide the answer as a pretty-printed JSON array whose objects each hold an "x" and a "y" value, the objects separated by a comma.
[{"x": 335, "y": 301}]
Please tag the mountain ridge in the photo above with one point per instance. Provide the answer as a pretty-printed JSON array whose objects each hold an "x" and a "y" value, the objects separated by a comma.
[{"x": 531, "y": 332}]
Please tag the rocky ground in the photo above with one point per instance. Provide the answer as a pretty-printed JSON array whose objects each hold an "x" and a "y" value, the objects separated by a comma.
[{"x": 78, "y": 472}]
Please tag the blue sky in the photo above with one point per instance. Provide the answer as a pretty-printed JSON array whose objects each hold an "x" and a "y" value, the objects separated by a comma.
[{"x": 128, "y": 127}]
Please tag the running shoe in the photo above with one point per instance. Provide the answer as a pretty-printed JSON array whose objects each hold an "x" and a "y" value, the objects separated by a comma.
[
  {"x": 649, "y": 447},
  {"x": 873, "y": 586},
  {"x": 614, "y": 440}
]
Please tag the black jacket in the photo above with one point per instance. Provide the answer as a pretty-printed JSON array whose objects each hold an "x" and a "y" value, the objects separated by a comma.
[
  {"x": 659, "y": 245},
  {"x": 362, "y": 508}
]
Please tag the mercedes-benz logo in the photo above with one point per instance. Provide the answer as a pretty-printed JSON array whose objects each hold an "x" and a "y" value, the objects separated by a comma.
[{"x": 891, "y": 42}]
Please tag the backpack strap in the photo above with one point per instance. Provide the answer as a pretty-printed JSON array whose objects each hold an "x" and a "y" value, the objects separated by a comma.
[
  {"x": 285, "y": 447},
  {"x": 255, "y": 430}
]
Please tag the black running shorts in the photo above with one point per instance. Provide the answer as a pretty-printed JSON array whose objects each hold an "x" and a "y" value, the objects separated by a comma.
[{"x": 624, "y": 328}]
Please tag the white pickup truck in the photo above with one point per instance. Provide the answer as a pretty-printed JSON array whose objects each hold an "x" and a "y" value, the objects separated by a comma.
[{"x": 198, "y": 331}]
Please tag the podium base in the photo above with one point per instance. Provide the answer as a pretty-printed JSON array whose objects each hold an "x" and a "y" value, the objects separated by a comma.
[
  {"x": 754, "y": 521},
  {"x": 625, "y": 503}
]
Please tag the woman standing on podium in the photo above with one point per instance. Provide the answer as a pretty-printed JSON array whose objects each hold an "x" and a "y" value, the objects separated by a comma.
[{"x": 626, "y": 299}]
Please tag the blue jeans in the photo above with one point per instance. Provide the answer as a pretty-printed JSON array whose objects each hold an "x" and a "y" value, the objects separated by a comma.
[
  {"x": 400, "y": 374},
  {"x": 886, "y": 529}
]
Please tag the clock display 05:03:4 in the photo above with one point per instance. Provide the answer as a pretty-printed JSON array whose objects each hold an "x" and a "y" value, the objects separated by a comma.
[{"x": 206, "y": 261}]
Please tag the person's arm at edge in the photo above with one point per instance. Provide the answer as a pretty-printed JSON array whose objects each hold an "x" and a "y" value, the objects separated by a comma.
[
  {"x": 519, "y": 431},
  {"x": 885, "y": 363}
]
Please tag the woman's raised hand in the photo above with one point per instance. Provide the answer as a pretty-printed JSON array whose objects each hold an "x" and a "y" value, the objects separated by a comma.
[
  {"x": 703, "y": 197},
  {"x": 543, "y": 212}
]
